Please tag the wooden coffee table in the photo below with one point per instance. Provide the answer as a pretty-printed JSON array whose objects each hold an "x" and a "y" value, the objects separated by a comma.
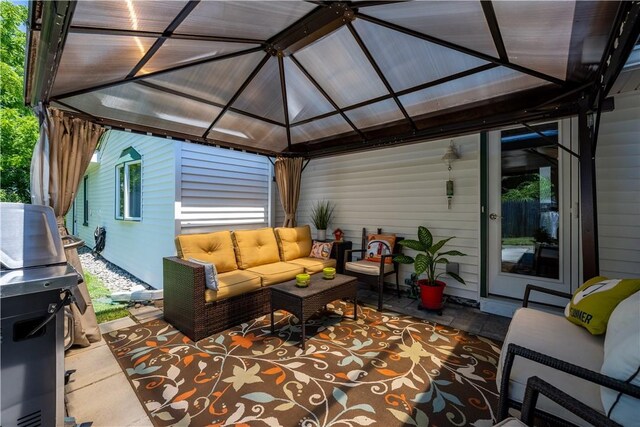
[{"x": 304, "y": 302}]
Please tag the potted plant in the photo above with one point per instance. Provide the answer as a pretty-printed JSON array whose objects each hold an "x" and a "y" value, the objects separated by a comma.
[
  {"x": 431, "y": 288},
  {"x": 321, "y": 214}
]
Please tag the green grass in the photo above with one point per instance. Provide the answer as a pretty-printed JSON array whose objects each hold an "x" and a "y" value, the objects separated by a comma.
[
  {"x": 100, "y": 296},
  {"x": 517, "y": 241}
]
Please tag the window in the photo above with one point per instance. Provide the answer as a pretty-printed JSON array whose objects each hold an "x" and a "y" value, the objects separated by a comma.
[
  {"x": 129, "y": 186},
  {"x": 85, "y": 197}
]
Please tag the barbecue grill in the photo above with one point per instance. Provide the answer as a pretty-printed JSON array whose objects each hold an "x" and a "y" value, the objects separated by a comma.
[{"x": 36, "y": 282}]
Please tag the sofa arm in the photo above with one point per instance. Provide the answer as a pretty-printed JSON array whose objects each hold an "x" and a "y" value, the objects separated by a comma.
[
  {"x": 348, "y": 252},
  {"x": 537, "y": 386},
  {"x": 183, "y": 290},
  {"x": 514, "y": 350},
  {"x": 527, "y": 293}
]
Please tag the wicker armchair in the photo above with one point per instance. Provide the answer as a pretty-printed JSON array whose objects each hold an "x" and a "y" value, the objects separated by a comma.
[
  {"x": 560, "y": 367},
  {"x": 377, "y": 275}
]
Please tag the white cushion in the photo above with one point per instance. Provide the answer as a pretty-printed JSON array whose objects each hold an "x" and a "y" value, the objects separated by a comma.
[
  {"x": 210, "y": 273},
  {"x": 554, "y": 336},
  {"x": 367, "y": 267},
  {"x": 622, "y": 359}
]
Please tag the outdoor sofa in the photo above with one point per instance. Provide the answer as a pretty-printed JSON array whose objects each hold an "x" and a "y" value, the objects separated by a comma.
[
  {"x": 600, "y": 372},
  {"x": 247, "y": 263}
]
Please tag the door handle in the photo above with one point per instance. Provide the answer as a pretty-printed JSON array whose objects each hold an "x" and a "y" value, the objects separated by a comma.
[{"x": 493, "y": 216}]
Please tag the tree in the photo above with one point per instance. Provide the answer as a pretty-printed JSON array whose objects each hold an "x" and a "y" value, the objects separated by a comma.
[{"x": 18, "y": 124}]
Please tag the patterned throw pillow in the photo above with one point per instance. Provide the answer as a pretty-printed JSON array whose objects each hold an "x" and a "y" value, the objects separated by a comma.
[
  {"x": 378, "y": 245},
  {"x": 594, "y": 301},
  {"x": 321, "y": 250},
  {"x": 210, "y": 273}
]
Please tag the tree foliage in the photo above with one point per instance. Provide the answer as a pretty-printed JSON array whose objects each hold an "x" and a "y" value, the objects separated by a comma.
[{"x": 18, "y": 125}]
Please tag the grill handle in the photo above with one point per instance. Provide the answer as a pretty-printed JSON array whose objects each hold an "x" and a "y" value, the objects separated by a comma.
[{"x": 76, "y": 242}]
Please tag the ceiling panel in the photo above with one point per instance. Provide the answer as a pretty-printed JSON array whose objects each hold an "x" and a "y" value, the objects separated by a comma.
[
  {"x": 175, "y": 52},
  {"x": 408, "y": 61},
  {"x": 153, "y": 15},
  {"x": 246, "y": 19},
  {"x": 340, "y": 67},
  {"x": 238, "y": 129},
  {"x": 138, "y": 104},
  {"x": 375, "y": 114},
  {"x": 304, "y": 100},
  {"x": 214, "y": 81},
  {"x": 476, "y": 87},
  {"x": 92, "y": 59},
  {"x": 263, "y": 96},
  {"x": 537, "y": 34},
  {"x": 322, "y": 128},
  {"x": 459, "y": 22}
]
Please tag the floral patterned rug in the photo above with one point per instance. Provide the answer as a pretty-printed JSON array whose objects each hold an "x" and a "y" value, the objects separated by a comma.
[{"x": 383, "y": 369}]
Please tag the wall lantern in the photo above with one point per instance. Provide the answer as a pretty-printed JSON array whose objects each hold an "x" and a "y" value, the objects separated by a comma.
[{"x": 449, "y": 157}]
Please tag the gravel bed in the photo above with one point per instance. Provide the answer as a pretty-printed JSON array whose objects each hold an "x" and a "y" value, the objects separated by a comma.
[{"x": 113, "y": 277}]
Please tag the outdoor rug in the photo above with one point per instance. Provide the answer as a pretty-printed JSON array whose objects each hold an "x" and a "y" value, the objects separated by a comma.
[{"x": 383, "y": 369}]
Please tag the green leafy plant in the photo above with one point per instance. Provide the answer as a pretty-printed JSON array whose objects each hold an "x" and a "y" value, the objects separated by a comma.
[
  {"x": 321, "y": 214},
  {"x": 429, "y": 257}
]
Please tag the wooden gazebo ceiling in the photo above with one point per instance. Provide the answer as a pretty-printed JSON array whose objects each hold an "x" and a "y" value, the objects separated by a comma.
[{"x": 320, "y": 78}]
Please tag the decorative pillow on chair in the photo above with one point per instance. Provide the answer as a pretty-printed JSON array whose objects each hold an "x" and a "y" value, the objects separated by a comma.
[
  {"x": 210, "y": 274},
  {"x": 594, "y": 301},
  {"x": 321, "y": 250},
  {"x": 378, "y": 245}
]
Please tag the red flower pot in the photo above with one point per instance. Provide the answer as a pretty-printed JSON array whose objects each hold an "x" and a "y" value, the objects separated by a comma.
[{"x": 431, "y": 295}]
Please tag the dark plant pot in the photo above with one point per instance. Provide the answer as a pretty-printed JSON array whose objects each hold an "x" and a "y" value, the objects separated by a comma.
[{"x": 430, "y": 294}]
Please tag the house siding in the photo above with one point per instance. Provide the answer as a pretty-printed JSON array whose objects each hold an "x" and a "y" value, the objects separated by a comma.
[
  {"x": 136, "y": 246},
  {"x": 222, "y": 189},
  {"x": 399, "y": 189},
  {"x": 618, "y": 188}
]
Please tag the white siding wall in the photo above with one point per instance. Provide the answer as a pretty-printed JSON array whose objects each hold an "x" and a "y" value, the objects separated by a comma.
[
  {"x": 222, "y": 189},
  {"x": 618, "y": 187},
  {"x": 136, "y": 246},
  {"x": 399, "y": 189}
]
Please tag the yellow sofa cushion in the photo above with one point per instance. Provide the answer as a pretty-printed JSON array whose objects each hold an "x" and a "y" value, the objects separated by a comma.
[
  {"x": 233, "y": 283},
  {"x": 216, "y": 248},
  {"x": 255, "y": 247},
  {"x": 277, "y": 272},
  {"x": 294, "y": 242},
  {"x": 313, "y": 265}
]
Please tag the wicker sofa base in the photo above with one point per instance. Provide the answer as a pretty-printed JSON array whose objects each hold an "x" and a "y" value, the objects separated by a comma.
[{"x": 185, "y": 308}]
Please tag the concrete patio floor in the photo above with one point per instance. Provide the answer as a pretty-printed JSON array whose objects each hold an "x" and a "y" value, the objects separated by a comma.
[{"x": 99, "y": 391}]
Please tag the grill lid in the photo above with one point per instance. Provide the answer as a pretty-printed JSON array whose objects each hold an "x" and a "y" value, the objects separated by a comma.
[{"x": 29, "y": 236}]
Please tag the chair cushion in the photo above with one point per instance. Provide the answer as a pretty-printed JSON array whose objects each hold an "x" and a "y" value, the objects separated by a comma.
[
  {"x": 321, "y": 250},
  {"x": 216, "y": 248},
  {"x": 594, "y": 301},
  {"x": 622, "y": 360},
  {"x": 313, "y": 265},
  {"x": 367, "y": 267},
  {"x": 255, "y": 247},
  {"x": 552, "y": 335},
  {"x": 293, "y": 242},
  {"x": 233, "y": 283},
  {"x": 276, "y": 272},
  {"x": 378, "y": 245}
]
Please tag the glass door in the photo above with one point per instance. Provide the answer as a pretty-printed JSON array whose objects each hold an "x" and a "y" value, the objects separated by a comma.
[{"x": 528, "y": 222}]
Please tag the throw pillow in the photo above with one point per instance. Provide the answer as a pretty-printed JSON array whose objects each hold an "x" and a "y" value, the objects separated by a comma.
[
  {"x": 622, "y": 360},
  {"x": 594, "y": 301},
  {"x": 321, "y": 250},
  {"x": 210, "y": 274},
  {"x": 378, "y": 245}
]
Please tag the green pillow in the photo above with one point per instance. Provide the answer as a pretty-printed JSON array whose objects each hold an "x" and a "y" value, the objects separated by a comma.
[{"x": 594, "y": 301}]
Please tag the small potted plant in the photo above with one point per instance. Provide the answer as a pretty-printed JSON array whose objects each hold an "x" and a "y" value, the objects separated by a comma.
[
  {"x": 321, "y": 215},
  {"x": 431, "y": 288}
]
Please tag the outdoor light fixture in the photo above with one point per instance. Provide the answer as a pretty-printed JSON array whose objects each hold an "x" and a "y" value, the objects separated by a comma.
[{"x": 449, "y": 156}]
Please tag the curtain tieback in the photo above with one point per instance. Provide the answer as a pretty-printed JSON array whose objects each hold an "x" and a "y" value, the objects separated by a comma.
[{"x": 290, "y": 216}]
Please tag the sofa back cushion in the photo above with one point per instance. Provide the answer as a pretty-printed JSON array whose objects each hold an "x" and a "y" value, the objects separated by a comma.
[
  {"x": 294, "y": 242},
  {"x": 255, "y": 247},
  {"x": 216, "y": 248}
]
